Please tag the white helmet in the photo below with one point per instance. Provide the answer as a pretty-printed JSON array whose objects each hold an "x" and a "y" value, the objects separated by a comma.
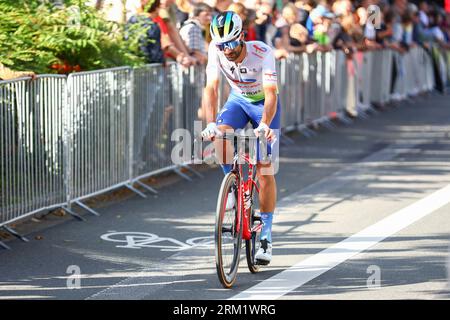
[{"x": 225, "y": 27}]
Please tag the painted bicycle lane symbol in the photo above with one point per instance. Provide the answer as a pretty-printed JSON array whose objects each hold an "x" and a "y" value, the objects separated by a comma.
[{"x": 139, "y": 240}]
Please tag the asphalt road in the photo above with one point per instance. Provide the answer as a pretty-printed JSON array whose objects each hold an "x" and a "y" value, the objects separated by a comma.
[{"x": 363, "y": 213}]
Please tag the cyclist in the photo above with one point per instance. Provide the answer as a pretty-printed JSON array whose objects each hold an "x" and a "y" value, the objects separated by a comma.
[{"x": 249, "y": 68}]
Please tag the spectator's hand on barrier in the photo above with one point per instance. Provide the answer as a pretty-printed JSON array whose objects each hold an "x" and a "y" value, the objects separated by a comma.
[
  {"x": 211, "y": 131},
  {"x": 201, "y": 58},
  {"x": 310, "y": 48},
  {"x": 180, "y": 58},
  {"x": 192, "y": 61},
  {"x": 32, "y": 75}
]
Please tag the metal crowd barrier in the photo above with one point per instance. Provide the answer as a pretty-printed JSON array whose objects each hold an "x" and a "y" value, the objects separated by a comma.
[
  {"x": 99, "y": 133},
  {"x": 65, "y": 139},
  {"x": 32, "y": 137}
]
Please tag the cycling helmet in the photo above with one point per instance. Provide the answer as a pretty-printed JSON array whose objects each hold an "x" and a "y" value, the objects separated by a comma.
[{"x": 225, "y": 27}]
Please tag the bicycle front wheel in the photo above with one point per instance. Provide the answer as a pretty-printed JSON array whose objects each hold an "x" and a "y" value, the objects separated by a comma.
[{"x": 228, "y": 235}]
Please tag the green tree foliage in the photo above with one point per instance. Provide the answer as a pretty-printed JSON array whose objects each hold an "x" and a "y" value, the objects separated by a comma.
[{"x": 38, "y": 36}]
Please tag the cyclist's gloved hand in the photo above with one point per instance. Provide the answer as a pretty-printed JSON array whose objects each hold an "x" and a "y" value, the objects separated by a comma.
[
  {"x": 269, "y": 134},
  {"x": 211, "y": 131}
]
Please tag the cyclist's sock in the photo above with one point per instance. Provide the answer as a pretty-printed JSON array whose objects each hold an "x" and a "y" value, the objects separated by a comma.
[
  {"x": 266, "y": 232},
  {"x": 226, "y": 168}
]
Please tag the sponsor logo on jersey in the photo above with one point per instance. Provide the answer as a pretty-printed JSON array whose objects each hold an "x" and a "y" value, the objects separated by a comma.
[
  {"x": 259, "y": 49},
  {"x": 271, "y": 76}
]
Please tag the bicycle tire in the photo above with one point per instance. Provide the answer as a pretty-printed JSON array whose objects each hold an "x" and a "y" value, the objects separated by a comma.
[
  {"x": 227, "y": 277},
  {"x": 251, "y": 245}
]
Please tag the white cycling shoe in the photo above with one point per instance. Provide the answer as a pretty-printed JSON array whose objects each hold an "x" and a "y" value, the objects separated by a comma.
[
  {"x": 264, "y": 254},
  {"x": 231, "y": 201}
]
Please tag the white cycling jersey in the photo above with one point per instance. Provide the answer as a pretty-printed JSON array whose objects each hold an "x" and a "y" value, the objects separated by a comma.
[{"x": 249, "y": 77}]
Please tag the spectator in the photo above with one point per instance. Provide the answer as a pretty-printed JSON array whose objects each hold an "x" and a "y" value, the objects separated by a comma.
[
  {"x": 408, "y": 28},
  {"x": 248, "y": 21},
  {"x": 342, "y": 8},
  {"x": 150, "y": 45},
  {"x": 249, "y": 26},
  {"x": 167, "y": 22},
  {"x": 368, "y": 27},
  {"x": 348, "y": 36},
  {"x": 304, "y": 7},
  {"x": 192, "y": 32},
  {"x": 436, "y": 31},
  {"x": 182, "y": 10},
  {"x": 315, "y": 16},
  {"x": 264, "y": 26},
  {"x": 292, "y": 36},
  {"x": 421, "y": 35},
  {"x": 423, "y": 14},
  {"x": 222, "y": 5},
  {"x": 321, "y": 31},
  {"x": 9, "y": 74}
]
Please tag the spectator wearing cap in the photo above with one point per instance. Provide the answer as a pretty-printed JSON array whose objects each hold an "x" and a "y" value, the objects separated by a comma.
[
  {"x": 322, "y": 31},
  {"x": 322, "y": 9},
  {"x": 193, "y": 29}
]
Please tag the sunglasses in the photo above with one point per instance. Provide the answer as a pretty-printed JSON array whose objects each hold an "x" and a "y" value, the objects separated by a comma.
[{"x": 228, "y": 45}]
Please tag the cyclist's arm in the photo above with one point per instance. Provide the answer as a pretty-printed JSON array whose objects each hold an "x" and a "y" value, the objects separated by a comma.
[
  {"x": 211, "y": 92},
  {"x": 270, "y": 104},
  {"x": 210, "y": 103},
  {"x": 270, "y": 85}
]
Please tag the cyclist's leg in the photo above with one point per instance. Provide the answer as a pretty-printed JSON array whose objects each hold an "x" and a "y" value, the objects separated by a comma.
[
  {"x": 266, "y": 177},
  {"x": 230, "y": 118}
]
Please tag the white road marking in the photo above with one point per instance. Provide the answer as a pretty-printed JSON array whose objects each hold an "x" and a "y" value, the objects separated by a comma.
[
  {"x": 139, "y": 240},
  {"x": 310, "y": 268},
  {"x": 327, "y": 185}
]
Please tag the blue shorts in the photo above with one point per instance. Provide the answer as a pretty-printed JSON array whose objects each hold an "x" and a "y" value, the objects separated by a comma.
[{"x": 237, "y": 112}]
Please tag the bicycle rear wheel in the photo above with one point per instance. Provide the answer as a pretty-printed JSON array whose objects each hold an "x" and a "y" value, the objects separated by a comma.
[{"x": 228, "y": 239}]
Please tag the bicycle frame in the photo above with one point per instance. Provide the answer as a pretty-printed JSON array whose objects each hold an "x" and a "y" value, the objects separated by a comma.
[{"x": 243, "y": 213}]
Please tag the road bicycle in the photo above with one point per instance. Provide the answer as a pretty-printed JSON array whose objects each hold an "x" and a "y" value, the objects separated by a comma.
[{"x": 242, "y": 222}]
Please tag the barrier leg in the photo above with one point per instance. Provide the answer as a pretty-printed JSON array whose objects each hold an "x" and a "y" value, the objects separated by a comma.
[
  {"x": 85, "y": 207},
  {"x": 143, "y": 185},
  {"x": 198, "y": 174},
  {"x": 363, "y": 114},
  {"x": 328, "y": 124},
  {"x": 286, "y": 140},
  {"x": 372, "y": 109},
  {"x": 181, "y": 174},
  {"x": 4, "y": 246},
  {"x": 344, "y": 119},
  {"x": 73, "y": 214},
  {"x": 15, "y": 234},
  {"x": 307, "y": 132},
  {"x": 129, "y": 186}
]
